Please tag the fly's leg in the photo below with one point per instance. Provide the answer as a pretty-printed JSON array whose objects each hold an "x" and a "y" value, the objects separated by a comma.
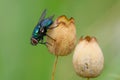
[
  {"x": 56, "y": 25},
  {"x": 45, "y": 43},
  {"x": 50, "y": 37},
  {"x": 53, "y": 27},
  {"x": 41, "y": 42},
  {"x": 48, "y": 43}
]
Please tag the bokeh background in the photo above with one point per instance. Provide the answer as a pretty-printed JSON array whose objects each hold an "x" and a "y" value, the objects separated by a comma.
[{"x": 19, "y": 60}]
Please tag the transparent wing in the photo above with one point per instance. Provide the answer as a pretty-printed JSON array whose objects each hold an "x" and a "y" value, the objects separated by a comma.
[
  {"x": 51, "y": 17},
  {"x": 42, "y": 16}
]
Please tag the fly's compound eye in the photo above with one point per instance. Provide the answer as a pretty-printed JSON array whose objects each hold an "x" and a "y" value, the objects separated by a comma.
[{"x": 34, "y": 41}]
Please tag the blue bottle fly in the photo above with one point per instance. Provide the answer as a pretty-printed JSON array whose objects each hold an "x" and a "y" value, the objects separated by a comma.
[{"x": 41, "y": 28}]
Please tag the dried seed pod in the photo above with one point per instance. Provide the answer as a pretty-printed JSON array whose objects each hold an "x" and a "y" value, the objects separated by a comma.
[
  {"x": 88, "y": 59},
  {"x": 63, "y": 32}
]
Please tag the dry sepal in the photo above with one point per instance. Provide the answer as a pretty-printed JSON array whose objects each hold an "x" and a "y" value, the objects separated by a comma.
[
  {"x": 63, "y": 32},
  {"x": 88, "y": 59}
]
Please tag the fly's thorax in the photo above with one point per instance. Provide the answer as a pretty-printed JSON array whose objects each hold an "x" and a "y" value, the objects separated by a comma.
[{"x": 36, "y": 31}]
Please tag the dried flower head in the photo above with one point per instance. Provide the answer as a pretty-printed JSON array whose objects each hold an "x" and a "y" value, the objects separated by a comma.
[
  {"x": 63, "y": 32},
  {"x": 88, "y": 58}
]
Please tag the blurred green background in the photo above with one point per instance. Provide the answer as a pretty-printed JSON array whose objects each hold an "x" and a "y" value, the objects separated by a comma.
[{"x": 19, "y": 60}]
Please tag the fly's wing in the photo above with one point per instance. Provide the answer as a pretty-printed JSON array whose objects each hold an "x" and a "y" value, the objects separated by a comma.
[
  {"x": 42, "y": 16},
  {"x": 51, "y": 17}
]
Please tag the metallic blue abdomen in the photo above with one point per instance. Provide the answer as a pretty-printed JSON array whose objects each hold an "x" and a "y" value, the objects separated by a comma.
[{"x": 46, "y": 23}]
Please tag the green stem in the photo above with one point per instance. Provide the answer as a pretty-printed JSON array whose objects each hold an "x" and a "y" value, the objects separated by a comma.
[
  {"x": 54, "y": 68},
  {"x": 88, "y": 78}
]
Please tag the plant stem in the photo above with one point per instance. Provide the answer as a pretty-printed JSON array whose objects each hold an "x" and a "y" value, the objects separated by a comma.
[
  {"x": 88, "y": 78},
  {"x": 54, "y": 67}
]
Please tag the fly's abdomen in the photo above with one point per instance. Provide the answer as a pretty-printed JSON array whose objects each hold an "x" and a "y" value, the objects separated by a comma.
[{"x": 46, "y": 23}]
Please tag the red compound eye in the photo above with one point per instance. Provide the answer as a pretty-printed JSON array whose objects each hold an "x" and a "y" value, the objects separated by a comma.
[{"x": 34, "y": 41}]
